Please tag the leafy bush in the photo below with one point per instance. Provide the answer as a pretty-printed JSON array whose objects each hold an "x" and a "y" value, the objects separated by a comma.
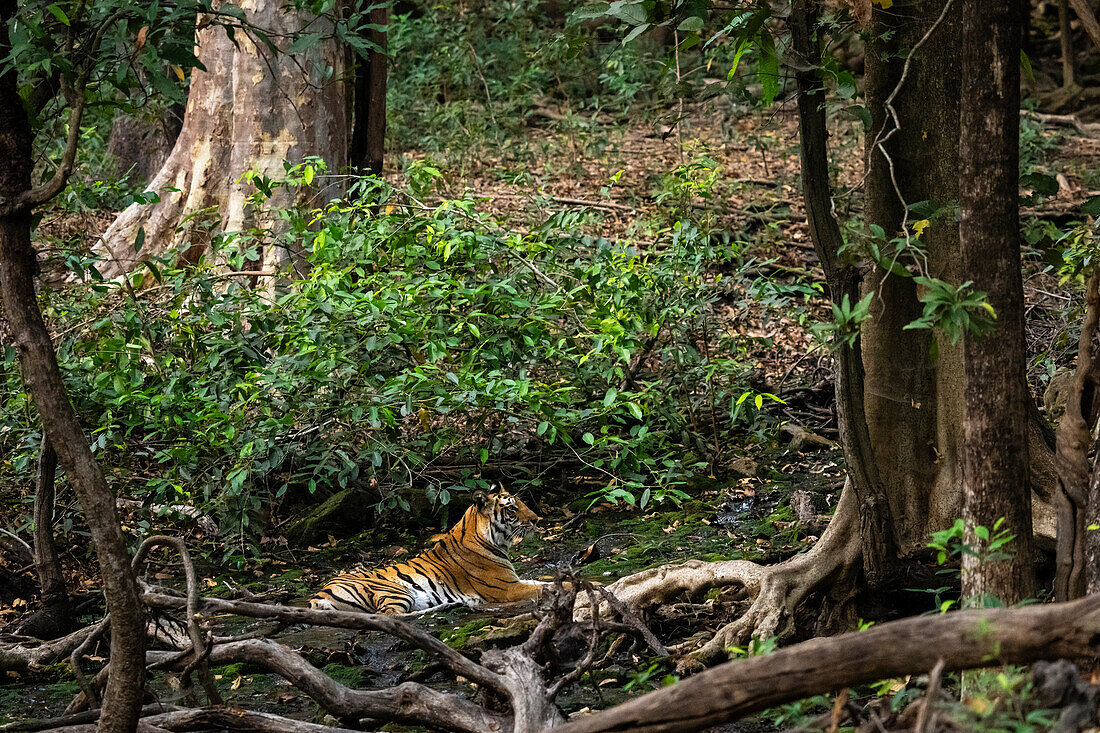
[{"x": 425, "y": 348}]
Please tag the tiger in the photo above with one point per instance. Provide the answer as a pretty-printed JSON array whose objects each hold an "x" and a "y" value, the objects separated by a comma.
[{"x": 467, "y": 565}]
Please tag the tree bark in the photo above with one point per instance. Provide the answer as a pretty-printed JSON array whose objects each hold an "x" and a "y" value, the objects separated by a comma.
[
  {"x": 55, "y": 616},
  {"x": 1069, "y": 59},
  {"x": 250, "y": 110},
  {"x": 844, "y": 280},
  {"x": 44, "y": 382},
  {"x": 995, "y": 450},
  {"x": 368, "y": 139}
]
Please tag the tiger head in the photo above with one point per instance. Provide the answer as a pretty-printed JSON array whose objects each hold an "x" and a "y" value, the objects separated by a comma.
[{"x": 508, "y": 519}]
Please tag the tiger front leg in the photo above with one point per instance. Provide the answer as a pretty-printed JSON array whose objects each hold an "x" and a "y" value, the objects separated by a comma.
[{"x": 525, "y": 590}]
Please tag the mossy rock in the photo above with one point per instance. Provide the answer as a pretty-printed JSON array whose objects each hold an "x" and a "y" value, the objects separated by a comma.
[{"x": 342, "y": 512}]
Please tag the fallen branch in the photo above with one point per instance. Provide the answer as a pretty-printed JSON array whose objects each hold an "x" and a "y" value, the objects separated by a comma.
[
  {"x": 204, "y": 521},
  {"x": 211, "y": 718},
  {"x": 963, "y": 640},
  {"x": 409, "y": 702},
  {"x": 1088, "y": 129},
  {"x": 23, "y": 653},
  {"x": 457, "y": 663}
]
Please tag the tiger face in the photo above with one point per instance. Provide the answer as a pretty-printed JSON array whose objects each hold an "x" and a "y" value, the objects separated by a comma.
[{"x": 510, "y": 521}]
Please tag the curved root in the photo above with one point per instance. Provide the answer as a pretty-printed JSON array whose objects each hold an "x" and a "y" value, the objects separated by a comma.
[{"x": 776, "y": 590}]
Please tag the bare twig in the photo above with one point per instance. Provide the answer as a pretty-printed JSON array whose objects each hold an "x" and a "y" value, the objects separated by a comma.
[{"x": 925, "y": 716}]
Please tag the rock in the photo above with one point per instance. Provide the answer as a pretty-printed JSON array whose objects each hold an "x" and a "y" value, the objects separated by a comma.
[
  {"x": 1056, "y": 394},
  {"x": 1058, "y": 685},
  {"x": 743, "y": 466},
  {"x": 341, "y": 511},
  {"x": 802, "y": 502}
]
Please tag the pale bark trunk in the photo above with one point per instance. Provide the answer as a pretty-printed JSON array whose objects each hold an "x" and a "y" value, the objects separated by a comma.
[{"x": 250, "y": 110}]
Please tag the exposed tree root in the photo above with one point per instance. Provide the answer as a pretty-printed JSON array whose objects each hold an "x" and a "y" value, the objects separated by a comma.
[{"x": 776, "y": 590}]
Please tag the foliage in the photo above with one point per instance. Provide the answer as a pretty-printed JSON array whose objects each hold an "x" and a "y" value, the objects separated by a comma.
[{"x": 425, "y": 348}]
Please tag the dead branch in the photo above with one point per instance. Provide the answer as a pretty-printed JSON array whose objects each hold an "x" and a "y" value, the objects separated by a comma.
[
  {"x": 199, "y": 646},
  {"x": 409, "y": 702},
  {"x": 210, "y": 718},
  {"x": 457, "y": 663},
  {"x": 964, "y": 640},
  {"x": 87, "y": 716},
  {"x": 1088, "y": 129},
  {"x": 23, "y": 653},
  {"x": 204, "y": 521}
]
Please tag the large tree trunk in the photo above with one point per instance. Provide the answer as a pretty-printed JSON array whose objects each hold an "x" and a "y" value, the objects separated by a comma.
[
  {"x": 995, "y": 450},
  {"x": 909, "y": 402},
  {"x": 250, "y": 110},
  {"x": 42, "y": 377},
  {"x": 915, "y": 379}
]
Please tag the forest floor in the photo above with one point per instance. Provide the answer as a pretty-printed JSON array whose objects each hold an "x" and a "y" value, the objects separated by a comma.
[{"x": 738, "y": 172}]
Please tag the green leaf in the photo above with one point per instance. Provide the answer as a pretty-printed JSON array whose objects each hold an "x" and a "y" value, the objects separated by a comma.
[
  {"x": 153, "y": 269},
  {"x": 589, "y": 438},
  {"x": 691, "y": 24},
  {"x": 591, "y": 11},
  {"x": 630, "y": 12},
  {"x": 1025, "y": 62},
  {"x": 768, "y": 68},
  {"x": 609, "y": 398},
  {"x": 303, "y": 42},
  {"x": 58, "y": 13},
  {"x": 638, "y": 30},
  {"x": 1091, "y": 206},
  {"x": 139, "y": 240}
]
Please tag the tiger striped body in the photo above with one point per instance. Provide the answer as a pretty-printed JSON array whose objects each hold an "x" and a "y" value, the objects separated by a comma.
[{"x": 468, "y": 565}]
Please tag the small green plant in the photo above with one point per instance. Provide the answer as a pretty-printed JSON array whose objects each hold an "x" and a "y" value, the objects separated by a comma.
[
  {"x": 847, "y": 320},
  {"x": 956, "y": 310},
  {"x": 757, "y": 647}
]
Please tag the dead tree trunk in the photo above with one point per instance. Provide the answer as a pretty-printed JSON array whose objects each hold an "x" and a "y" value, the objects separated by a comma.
[
  {"x": 250, "y": 110},
  {"x": 995, "y": 450}
]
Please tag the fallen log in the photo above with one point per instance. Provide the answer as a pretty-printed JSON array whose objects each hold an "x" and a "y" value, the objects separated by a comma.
[
  {"x": 216, "y": 718},
  {"x": 963, "y": 640}
]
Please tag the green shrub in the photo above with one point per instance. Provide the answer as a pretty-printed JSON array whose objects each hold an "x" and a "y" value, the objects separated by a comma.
[{"x": 426, "y": 347}]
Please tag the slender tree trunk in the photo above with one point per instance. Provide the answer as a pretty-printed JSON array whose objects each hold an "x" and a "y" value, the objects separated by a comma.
[
  {"x": 844, "y": 280},
  {"x": 55, "y": 616},
  {"x": 250, "y": 110},
  {"x": 1069, "y": 61},
  {"x": 995, "y": 450},
  {"x": 42, "y": 377},
  {"x": 368, "y": 139}
]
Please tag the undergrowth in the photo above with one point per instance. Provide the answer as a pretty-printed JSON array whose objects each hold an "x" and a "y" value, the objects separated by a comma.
[{"x": 427, "y": 351}]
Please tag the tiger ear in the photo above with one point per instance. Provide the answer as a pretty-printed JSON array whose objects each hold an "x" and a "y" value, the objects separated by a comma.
[{"x": 481, "y": 500}]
